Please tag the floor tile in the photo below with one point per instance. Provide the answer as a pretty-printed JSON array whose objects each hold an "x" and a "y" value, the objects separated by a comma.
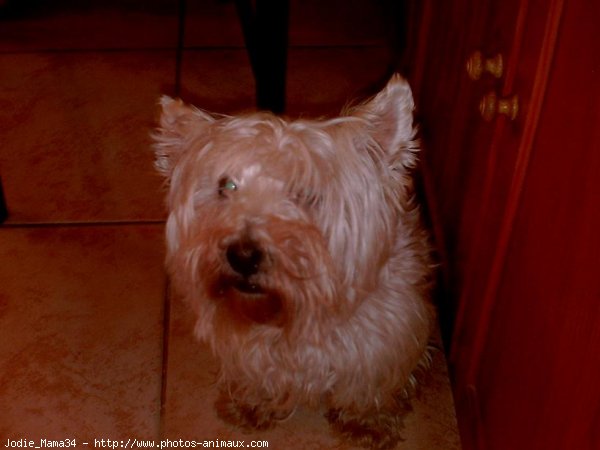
[
  {"x": 81, "y": 314},
  {"x": 75, "y": 135},
  {"x": 218, "y": 80},
  {"x": 323, "y": 80},
  {"x": 320, "y": 80},
  {"x": 190, "y": 394},
  {"x": 28, "y": 25}
]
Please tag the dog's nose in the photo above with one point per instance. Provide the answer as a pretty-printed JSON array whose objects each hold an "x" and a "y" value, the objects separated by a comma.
[{"x": 244, "y": 257}]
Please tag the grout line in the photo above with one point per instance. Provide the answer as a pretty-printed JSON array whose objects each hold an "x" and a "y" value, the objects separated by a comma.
[
  {"x": 14, "y": 225},
  {"x": 290, "y": 47},
  {"x": 86, "y": 50},
  {"x": 176, "y": 48},
  {"x": 165, "y": 356}
]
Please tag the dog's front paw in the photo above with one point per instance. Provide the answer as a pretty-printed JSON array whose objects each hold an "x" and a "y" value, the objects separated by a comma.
[
  {"x": 378, "y": 430},
  {"x": 260, "y": 416}
]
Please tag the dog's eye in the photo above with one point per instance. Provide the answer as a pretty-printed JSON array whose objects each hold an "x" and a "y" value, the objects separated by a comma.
[{"x": 226, "y": 185}]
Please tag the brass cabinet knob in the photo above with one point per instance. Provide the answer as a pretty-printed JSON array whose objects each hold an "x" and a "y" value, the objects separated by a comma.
[
  {"x": 491, "y": 105},
  {"x": 477, "y": 65}
]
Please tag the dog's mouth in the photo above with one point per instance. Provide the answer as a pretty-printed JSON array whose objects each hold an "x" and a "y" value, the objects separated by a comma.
[
  {"x": 262, "y": 309},
  {"x": 247, "y": 300},
  {"x": 247, "y": 287}
]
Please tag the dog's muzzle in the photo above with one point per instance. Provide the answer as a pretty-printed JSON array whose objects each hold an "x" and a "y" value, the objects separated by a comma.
[{"x": 244, "y": 295}]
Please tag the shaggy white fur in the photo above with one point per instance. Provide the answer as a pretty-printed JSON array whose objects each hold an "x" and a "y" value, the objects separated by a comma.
[{"x": 299, "y": 246}]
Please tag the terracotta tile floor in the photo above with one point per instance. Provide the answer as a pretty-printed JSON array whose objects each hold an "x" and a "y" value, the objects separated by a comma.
[
  {"x": 76, "y": 135},
  {"x": 85, "y": 348},
  {"x": 81, "y": 320}
]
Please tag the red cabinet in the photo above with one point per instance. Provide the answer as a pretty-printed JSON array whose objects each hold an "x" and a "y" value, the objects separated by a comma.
[{"x": 515, "y": 205}]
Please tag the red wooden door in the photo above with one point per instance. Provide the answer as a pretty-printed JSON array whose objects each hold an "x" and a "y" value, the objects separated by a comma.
[
  {"x": 515, "y": 207},
  {"x": 538, "y": 374}
]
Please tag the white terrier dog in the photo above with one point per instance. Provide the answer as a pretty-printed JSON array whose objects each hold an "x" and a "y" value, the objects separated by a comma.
[{"x": 298, "y": 244}]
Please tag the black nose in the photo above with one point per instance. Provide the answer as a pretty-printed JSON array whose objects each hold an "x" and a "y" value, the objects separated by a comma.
[{"x": 244, "y": 257}]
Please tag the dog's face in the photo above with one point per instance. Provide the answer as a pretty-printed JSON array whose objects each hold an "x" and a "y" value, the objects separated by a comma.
[{"x": 280, "y": 223}]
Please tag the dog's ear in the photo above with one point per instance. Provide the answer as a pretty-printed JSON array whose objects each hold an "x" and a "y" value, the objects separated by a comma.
[
  {"x": 179, "y": 123},
  {"x": 389, "y": 116}
]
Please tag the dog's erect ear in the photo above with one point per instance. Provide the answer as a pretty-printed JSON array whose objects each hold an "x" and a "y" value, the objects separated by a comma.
[
  {"x": 390, "y": 117},
  {"x": 178, "y": 124}
]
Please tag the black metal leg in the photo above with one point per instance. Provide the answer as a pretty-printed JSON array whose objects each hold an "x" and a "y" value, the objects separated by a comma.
[{"x": 265, "y": 29}]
